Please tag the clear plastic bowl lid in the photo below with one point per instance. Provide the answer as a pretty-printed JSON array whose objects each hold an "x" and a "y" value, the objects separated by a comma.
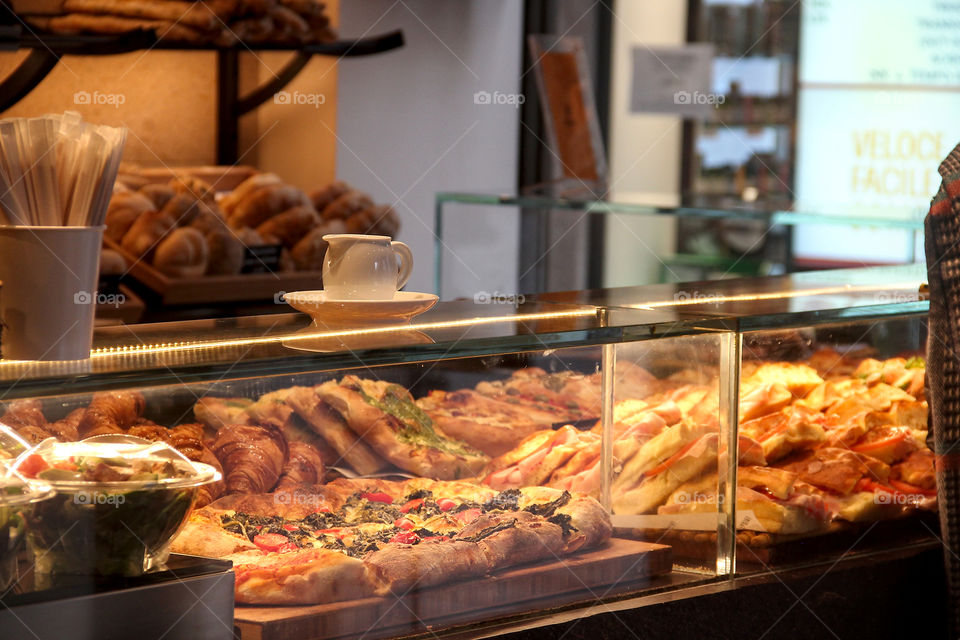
[
  {"x": 15, "y": 490},
  {"x": 11, "y": 444},
  {"x": 113, "y": 463}
]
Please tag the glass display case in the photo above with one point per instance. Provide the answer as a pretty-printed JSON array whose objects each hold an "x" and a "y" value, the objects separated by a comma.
[
  {"x": 492, "y": 462},
  {"x": 832, "y": 402},
  {"x": 388, "y": 480},
  {"x": 713, "y": 241}
]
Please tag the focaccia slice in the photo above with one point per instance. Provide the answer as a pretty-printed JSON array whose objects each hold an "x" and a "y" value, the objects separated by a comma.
[{"x": 384, "y": 416}]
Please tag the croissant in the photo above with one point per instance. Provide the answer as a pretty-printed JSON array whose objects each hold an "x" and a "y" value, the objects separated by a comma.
[
  {"x": 309, "y": 252},
  {"x": 291, "y": 225},
  {"x": 346, "y": 205},
  {"x": 111, "y": 412},
  {"x": 304, "y": 466},
  {"x": 67, "y": 429},
  {"x": 245, "y": 188},
  {"x": 266, "y": 202},
  {"x": 322, "y": 197},
  {"x": 23, "y": 413},
  {"x": 150, "y": 431},
  {"x": 252, "y": 456}
]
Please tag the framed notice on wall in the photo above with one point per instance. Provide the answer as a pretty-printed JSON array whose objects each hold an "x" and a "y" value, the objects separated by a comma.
[{"x": 570, "y": 115}]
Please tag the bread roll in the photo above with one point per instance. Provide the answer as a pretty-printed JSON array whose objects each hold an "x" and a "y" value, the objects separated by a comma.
[
  {"x": 245, "y": 189},
  {"x": 249, "y": 237},
  {"x": 266, "y": 202},
  {"x": 209, "y": 219},
  {"x": 308, "y": 253},
  {"x": 291, "y": 225},
  {"x": 226, "y": 253},
  {"x": 286, "y": 260},
  {"x": 112, "y": 263},
  {"x": 182, "y": 254},
  {"x": 323, "y": 197},
  {"x": 193, "y": 186},
  {"x": 160, "y": 194},
  {"x": 124, "y": 209},
  {"x": 387, "y": 222},
  {"x": 182, "y": 208},
  {"x": 346, "y": 205},
  {"x": 362, "y": 221},
  {"x": 145, "y": 233}
]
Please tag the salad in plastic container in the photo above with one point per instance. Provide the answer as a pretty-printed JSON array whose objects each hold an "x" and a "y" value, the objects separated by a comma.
[
  {"x": 11, "y": 444},
  {"x": 120, "y": 501},
  {"x": 19, "y": 499}
]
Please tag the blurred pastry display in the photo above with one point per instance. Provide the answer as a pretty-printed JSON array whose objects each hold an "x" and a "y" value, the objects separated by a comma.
[
  {"x": 202, "y": 22},
  {"x": 184, "y": 228}
]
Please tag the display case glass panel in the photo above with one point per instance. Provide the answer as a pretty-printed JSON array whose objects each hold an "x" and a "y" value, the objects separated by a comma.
[{"x": 445, "y": 472}]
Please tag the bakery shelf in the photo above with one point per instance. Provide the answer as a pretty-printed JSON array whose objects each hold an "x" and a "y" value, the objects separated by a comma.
[{"x": 47, "y": 49}]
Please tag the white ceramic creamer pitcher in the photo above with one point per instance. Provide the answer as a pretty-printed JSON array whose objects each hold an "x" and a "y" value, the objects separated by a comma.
[{"x": 361, "y": 267}]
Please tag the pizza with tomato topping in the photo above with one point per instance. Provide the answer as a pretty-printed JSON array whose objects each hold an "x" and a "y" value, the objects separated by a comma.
[{"x": 355, "y": 538}]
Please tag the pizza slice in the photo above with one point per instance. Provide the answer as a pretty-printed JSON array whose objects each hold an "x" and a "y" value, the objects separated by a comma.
[
  {"x": 304, "y": 576},
  {"x": 792, "y": 428},
  {"x": 214, "y": 413},
  {"x": 767, "y": 500},
  {"x": 534, "y": 460}
]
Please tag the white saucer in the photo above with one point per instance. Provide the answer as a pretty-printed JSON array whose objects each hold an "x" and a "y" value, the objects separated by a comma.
[{"x": 329, "y": 313}]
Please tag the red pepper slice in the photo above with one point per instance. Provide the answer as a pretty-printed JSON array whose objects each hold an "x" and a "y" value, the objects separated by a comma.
[
  {"x": 445, "y": 504},
  {"x": 468, "y": 515},
  {"x": 407, "y": 537},
  {"x": 32, "y": 465},
  {"x": 291, "y": 527},
  {"x": 287, "y": 547},
  {"x": 412, "y": 505},
  {"x": 404, "y": 523},
  {"x": 270, "y": 541},
  {"x": 879, "y": 444},
  {"x": 905, "y": 487},
  {"x": 377, "y": 496},
  {"x": 669, "y": 462}
]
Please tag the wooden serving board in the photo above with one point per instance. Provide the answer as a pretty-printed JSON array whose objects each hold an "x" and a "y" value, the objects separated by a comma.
[
  {"x": 211, "y": 289},
  {"x": 589, "y": 575}
]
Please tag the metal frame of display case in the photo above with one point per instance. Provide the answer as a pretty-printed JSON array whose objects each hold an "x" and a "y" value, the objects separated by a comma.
[{"x": 538, "y": 204}]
